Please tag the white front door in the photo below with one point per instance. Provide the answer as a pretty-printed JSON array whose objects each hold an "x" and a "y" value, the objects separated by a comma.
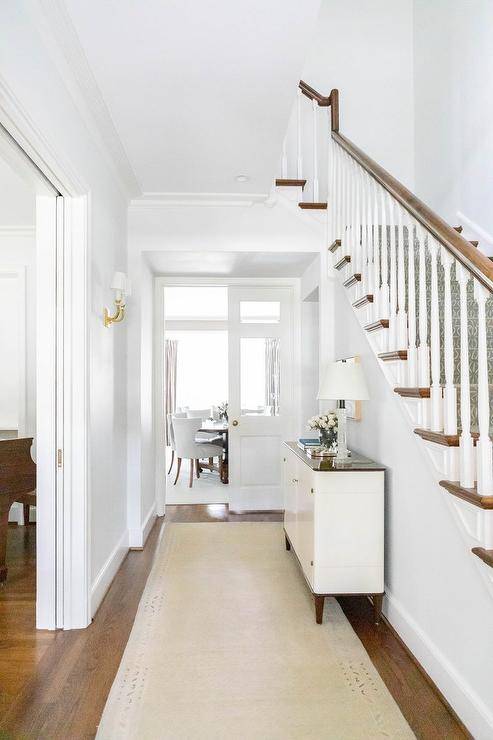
[{"x": 260, "y": 393}]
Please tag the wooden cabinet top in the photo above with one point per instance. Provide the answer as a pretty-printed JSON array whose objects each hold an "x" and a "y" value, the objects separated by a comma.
[{"x": 354, "y": 463}]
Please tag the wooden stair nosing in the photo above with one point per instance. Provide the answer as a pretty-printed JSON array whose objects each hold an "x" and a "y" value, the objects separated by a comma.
[
  {"x": 458, "y": 229},
  {"x": 485, "y": 555},
  {"x": 287, "y": 183},
  {"x": 377, "y": 325},
  {"x": 440, "y": 438},
  {"x": 313, "y": 206},
  {"x": 363, "y": 301},
  {"x": 398, "y": 354},
  {"x": 335, "y": 245},
  {"x": 342, "y": 262},
  {"x": 352, "y": 280},
  {"x": 409, "y": 392},
  {"x": 474, "y": 242},
  {"x": 470, "y": 495}
]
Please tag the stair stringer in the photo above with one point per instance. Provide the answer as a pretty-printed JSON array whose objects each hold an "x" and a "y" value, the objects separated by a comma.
[{"x": 475, "y": 525}]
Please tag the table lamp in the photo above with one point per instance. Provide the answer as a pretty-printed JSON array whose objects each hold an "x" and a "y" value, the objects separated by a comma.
[{"x": 343, "y": 381}]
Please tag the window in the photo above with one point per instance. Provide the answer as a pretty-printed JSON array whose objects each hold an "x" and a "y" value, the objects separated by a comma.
[
  {"x": 192, "y": 303},
  {"x": 259, "y": 371},
  {"x": 260, "y": 312}
]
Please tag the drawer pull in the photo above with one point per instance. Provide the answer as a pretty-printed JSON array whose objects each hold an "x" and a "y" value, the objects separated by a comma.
[
  {"x": 294, "y": 480},
  {"x": 311, "y": 490},
  {"x": 311, "y": 562}
]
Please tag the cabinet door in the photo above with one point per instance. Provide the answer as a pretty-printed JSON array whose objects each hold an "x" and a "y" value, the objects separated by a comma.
[
  {"x": 305, "y": 512},
  {"x": 290, "y": 474}
]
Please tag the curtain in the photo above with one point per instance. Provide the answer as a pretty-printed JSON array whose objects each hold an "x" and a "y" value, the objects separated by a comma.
[
  {"x": 170, "y": 358},
  {"x": 272, "y": 375}
]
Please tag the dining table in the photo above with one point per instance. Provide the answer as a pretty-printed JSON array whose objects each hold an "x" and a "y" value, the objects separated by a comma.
[{"x": 220, "y": 428}]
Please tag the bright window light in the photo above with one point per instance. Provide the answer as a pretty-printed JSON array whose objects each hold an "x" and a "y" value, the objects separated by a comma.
[
  {"x": 191, "y": 303},
  {"x": 202, "y": 368},
  {"x": 260, "y": 312}
]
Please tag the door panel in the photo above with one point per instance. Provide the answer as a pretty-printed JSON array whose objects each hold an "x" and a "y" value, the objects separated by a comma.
[{"x": 260, "y": 393}]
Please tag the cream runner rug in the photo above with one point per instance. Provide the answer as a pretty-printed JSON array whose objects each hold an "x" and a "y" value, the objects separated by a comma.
[{"x": 225, "y": 646}]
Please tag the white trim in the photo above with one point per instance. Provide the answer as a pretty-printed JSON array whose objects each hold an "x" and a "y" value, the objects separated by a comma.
[
  {"x": 466, "y": 703},
  {"x": 61, "y": 39},
  {"x": 475, "y": 230},
  {"x": 74, "y": 545},
  {"x": 163, "y": 200},
  {"x": 138, "y": 537},
  {"x": 103, "y": 580},
  {"x": 17, "y": 231}
]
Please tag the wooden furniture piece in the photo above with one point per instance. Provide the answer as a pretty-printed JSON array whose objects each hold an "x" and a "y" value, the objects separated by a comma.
[
  {"x": 17, "y": 485},
  {"x": 334, "y": 521},
  {"x": 219, "y": 428}
]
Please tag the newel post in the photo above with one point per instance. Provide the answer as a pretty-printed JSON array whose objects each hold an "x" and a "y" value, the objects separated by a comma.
[{"x": 334, "y": 109}]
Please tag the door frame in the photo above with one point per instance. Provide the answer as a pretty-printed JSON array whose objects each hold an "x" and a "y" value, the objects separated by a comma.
[
  {"x": 161, "y": 282},
  {"x": 62, "y": 235}
]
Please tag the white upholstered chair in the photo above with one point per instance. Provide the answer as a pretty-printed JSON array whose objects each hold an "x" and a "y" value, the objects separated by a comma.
[
  {"x": 171, "y": 433},
  {"x": 186, "y": 446}
]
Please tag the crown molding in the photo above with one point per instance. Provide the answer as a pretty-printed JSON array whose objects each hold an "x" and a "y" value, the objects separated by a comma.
[
  {"x": 163, "y": 200},
  {"x": 62, "y": 42},
  {"x": 11, "y": 231}
]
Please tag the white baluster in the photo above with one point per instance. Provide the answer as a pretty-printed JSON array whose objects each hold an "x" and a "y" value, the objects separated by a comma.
[
  {"x": 284, "y": 159},
  {"x": 466, "y": 447},
  {"x": 384, "y": 290},
  {"x": 371, "y": 244},
  {"x": 299, "y": 151},
  {"x": 484, "y": 447},
  {"x": 436, "y": 389},
  {"x": 392, "y": 276},
  {"x": 354, "y": 236},
  {"x": 315, "y": 152},
  {"x": 412, "y": 351},
  {"x": 449, "y": 391},
  {"x": 364, "y": 230},
  {"x": 401, "y": 342},
  {"x": 376, "y": 252},
  {"x": 423, "y": 347}
]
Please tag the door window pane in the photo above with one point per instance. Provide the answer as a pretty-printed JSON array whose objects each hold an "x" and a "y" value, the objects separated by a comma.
[
  {"x": 207, "y": 303},
  {"x": 260, "y": 376},
  {"x": 260, "y": 312}
]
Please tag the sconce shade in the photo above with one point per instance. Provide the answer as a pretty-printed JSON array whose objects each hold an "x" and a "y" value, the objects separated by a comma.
[
  {"x": 119, "y": 282},
  {"x": 343, "y": 381}
]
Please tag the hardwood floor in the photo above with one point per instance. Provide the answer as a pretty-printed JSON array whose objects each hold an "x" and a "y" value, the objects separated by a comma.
[{"x": 55, "y": 684}]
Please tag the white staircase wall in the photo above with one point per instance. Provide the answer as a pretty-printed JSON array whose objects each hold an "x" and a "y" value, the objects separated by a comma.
[{"x": 436, "y": 599}]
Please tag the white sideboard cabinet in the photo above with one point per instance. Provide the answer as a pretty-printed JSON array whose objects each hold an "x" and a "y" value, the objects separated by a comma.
[{"x": 334, "y": 522}]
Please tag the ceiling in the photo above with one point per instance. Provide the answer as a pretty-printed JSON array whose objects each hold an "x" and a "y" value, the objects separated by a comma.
[
  {"x": 230, "y": 264},
  {"x": 199, "y": 92}
]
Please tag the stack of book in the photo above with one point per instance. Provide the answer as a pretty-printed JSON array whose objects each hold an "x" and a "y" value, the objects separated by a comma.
[{"x": 306, "y": 444}]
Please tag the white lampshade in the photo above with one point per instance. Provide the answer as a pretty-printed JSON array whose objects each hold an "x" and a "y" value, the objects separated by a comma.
[
  {"x": 119, "y": 282},
  {"x": 343, "y": 381}
]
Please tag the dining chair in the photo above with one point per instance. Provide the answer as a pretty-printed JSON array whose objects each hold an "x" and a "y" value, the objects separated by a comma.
[
  {"x": 186, "y": 446},
  {"x": 203, "y": 414},
  {"x": 171, "y": 433}
]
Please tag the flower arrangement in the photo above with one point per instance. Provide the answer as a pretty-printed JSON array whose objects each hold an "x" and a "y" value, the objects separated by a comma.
[
  {"x": 327, "y": 427},
  {"x": 222, "y": 410}
]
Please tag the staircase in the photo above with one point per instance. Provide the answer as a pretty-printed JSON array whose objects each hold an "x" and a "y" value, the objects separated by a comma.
[{"x": 423, "y": 295}]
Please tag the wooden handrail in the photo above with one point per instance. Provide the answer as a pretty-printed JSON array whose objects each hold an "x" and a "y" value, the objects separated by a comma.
[{"x": 472, "y": 259}]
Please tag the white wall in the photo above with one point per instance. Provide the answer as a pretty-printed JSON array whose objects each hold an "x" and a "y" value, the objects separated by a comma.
[
  {"x": 33, "y": 71},
  {"x": 365, "y": 49},
  {"x": 437, "y": 600},
  {"x": 453, "y": 68}
]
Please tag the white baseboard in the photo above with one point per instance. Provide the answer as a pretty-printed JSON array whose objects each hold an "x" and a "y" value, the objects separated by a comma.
[
  {"x": 476, "y": 716},
  {"x": 137, "y": 537},
  {"x": 103, "y": 580}
]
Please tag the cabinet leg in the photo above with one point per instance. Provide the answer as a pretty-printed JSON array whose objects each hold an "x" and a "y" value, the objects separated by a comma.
[
  {"x": 288, "y": 544},
  {"x": 319, "y": 607},
  {"x": 377, "y": 607}
]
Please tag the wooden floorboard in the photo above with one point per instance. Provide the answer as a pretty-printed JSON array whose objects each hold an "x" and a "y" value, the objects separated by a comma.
[{"x": 55, "y": 684}]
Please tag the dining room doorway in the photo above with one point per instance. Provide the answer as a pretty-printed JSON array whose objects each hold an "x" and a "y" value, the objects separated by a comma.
[{"x": 228, "y": 359}]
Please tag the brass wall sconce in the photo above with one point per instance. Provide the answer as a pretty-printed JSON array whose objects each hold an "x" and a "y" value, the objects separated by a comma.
[{"x": 121, "y": 285}]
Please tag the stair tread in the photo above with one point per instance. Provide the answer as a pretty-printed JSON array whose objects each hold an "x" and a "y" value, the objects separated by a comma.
[
  {"x": 289, "y": 183},
  {"x": 397, "y": 354},
  {"x": 342, "y": 262},
  {"x": 313, "y": 206},
  {"x": 467, "y": 494},
  {"x": 335, "y": 245},
  {"x": 376, "y": 325},
  {"x": 363, "y": 301},
  {"x": 409, "y": 392},
  {"x": 485, "y": 555},
  {"x": 352, "y": 279}
]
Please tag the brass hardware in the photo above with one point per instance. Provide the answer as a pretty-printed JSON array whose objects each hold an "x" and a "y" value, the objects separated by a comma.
[
  {"x": 311, "y": 490},
  {"x": 284, "y": 459},
  {"x": 235, "y": 423},
  {"x": 311, "y": 562},
  {"x": 59, "y": 458},
  {"x": 295, "y": 480},
  {"x": 118, "y": 316}
]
